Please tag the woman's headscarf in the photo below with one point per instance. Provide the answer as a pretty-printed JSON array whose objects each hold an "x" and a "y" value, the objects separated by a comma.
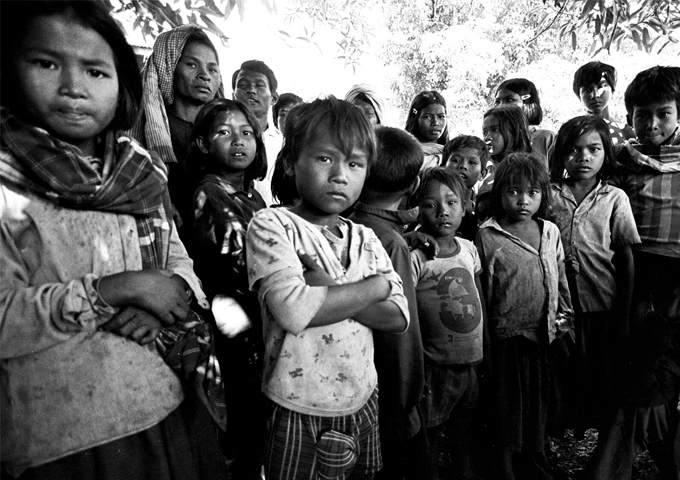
[
  {"x": 152, "y": 128},
  {"x": 371, "y": 95}
]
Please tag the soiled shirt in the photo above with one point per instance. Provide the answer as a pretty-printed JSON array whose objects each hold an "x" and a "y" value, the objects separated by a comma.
[
  {"x": 398, "y": 358},
  {"x": 449, "y": 305},
  {"x": 592, "y": 231},
  {"x": 326, "y": 370},
  {"x": 525, "y": 288},
  {"x": 67, "y": 386}
]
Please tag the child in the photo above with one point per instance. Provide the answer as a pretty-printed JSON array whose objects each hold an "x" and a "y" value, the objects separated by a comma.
[
  {"x": 467, "y": 156},
  {"x": 367, "y": 99},
  {"x": 598, "y": 229},
  {"x": 650, "y": 175},
  {"x": 427, "y": 122},
  {"x": 505, "y": 131},
  {"x": 281, "y": 108},
  {"x": 594, "y": 85},
  {"x": 452, "y": 317},
  {"x": 226, "y": 143},
  {"x": 520, "y": 92},
  {"x": 324, "y": 284},
  {"x": 95, "y": 286},
  {"x": 528, "y": 304},
  {"x": 398, "y": 358}
]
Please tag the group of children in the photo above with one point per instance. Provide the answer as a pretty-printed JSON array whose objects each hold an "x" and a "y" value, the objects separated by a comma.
[{"x": 515, "y": 263}]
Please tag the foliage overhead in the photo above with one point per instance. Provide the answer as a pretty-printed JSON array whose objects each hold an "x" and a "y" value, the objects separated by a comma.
[{"x": 649, "y": 23}]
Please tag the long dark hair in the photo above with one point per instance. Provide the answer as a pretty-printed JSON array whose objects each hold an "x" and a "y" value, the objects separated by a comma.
[
  {"x": 204, "y": 120},
  {"x": 514, "y": 128},
  {"x": 531, "y": 103},
  {"x": 422, "y": 100},
  {"x": 94, "y": 14}
]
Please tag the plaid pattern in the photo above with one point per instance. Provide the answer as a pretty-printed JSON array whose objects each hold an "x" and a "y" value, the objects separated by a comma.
[
  {"x": 152, "y": 129},
  {"x": 309, "y": 447},
  {"x": 130, "y": 183},
  {"x": 652, "y": 182}
]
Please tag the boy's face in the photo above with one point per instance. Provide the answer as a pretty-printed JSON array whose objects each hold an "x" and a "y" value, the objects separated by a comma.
[
  {"x": 655, "y": 123},
  {"x": 252, "y": 89},
  {"x": 596, "y": 96},
  {"x": 467, "y": 164},
  {"x": 329, "y": 181},
  {"x": 440, "y": 210},
  {"x": 283, "y": 113}
]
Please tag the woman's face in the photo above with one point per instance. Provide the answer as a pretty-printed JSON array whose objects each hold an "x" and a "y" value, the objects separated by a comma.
[
  {"x": 508, "y": 97},
  {"x": 368, "y": 110},
  {"x": 431, "y": 123},
  {"x": 67, "y": 80},
  {"x": 197, "y": 75}
]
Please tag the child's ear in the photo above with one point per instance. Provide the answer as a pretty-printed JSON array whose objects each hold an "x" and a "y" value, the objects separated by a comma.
[
  {"x": 202, "y": 145},
  {"x": 414, "y": 186},
  {"x": 288, "y": 167},
  {"x": 629, "y": 119},
  {"x": 482, "y": 172}
]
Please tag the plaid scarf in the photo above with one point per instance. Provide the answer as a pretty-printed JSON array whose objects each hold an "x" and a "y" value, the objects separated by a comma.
[
  {"x": 664, "y": 158},
  {"x": 130, "y": 183},
  {"x": 152, "y": 127}
]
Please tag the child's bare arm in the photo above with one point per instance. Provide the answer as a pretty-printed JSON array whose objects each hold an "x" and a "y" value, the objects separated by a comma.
[
  {"x": 625, "y": 272},
  {"x": 485, "y": 318}
]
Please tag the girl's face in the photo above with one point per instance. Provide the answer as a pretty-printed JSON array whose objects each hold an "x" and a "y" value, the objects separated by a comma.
[
  {"x": 521, "y": 203},
  {"x": 431, "y": 123},
  {"x": 491, "y": 131},
  {"x": 230, "y": 142},
  {"x": 329, "y": 181},
  {"x": 67, "y": 80},
  {"x": 368, "y": 110},
  {"x": 508, "y": 97},
  {"x": 596, "y": 96},
  {"x": 440, "y": 210},
  {"x": 586, "y": 158}
]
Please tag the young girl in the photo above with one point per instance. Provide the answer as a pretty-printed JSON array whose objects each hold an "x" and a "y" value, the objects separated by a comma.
[
  {"x": 520, "y": 92},
  {"x": 226, "y": 143},
  {"x": 427, "y": 122},
  {"x": 92, "y": 272},
  {"x": 505, "y": 131},
  {"x": 451, "y": 315},
  {"x": 598, "y": 229},
  {"x": 528, "y": 306}
]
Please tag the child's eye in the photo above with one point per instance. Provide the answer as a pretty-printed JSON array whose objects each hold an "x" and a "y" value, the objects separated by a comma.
[
  {"x": 248, "y": 132},
  {"x": 98, "y": 74},
  {"x": 42, "y": 63},
  {"x": 222, "y": 131},
  {"x": 356, "y": 165},
  {"x": 324, "y": 159}
]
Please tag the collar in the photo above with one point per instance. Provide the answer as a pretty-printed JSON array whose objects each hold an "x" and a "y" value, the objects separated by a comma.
[
  {"x": 664, "y": 158},
  {"x": 600, "y": 188},
  {"x": 397, "y": 217},
  {"x": 212, "y": 178}
]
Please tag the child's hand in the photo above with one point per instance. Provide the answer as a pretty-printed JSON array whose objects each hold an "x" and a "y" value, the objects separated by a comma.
[
  {"x": 423, "y": 241},
  {"x": 571, "y": 266},
  {"x": 136, "y": 324},
  {"x": 315, "y": 276},
  {"x": 164, "y": 297}
]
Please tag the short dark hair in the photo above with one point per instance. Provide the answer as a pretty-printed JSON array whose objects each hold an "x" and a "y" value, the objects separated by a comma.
[
  {"x": 285, "y": 100},
  {"x": 346, "y": 124},
  {"x": 593, "y": 72},
  {"x": 567, "y": 136},
  {"x": 514, "y": 128},
  {"x": 443, "y": 176},
  {"x": 93, "y": 14},
  {"x": 466, "y": 141},
  {"x": 259, "y": 67},
  {"x": 654, "y": 85},
  {"x": 422, "y": 100},
  {"x": 516, "y": 170},
  {"x": 531, "y": 103},
  {"x": 204, "y": 120},
  {"x": 398, "y": 161}
]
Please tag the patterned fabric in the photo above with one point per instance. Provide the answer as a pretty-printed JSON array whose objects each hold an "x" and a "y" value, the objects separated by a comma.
[
  {"x": 592, "y": 231},
  {"x": 449, "y": 305},
  {"x": 620, "y": 132},
  {"x": 527, "y": 289},
  {"x": 151, "y": 128},
  {"x": 306, "y": 447},
  {"x": 326, "y": 370},
  {"x": 131, "y": 184},
  {"x": 651, "y": 178}
]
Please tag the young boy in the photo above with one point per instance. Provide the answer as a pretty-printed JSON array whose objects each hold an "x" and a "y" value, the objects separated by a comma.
[
  {"x": 594, "y": 85},
  {"x": 324, "y": 283},
  {"x": 467, "y": 156},
  {"x": 452, "y": 317},
  {"x": 282, "y": 107},
  {"x": 398, "y": 358},
  {"x": 650, "y": 175},
  {"x": 254, "y": 84}
]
